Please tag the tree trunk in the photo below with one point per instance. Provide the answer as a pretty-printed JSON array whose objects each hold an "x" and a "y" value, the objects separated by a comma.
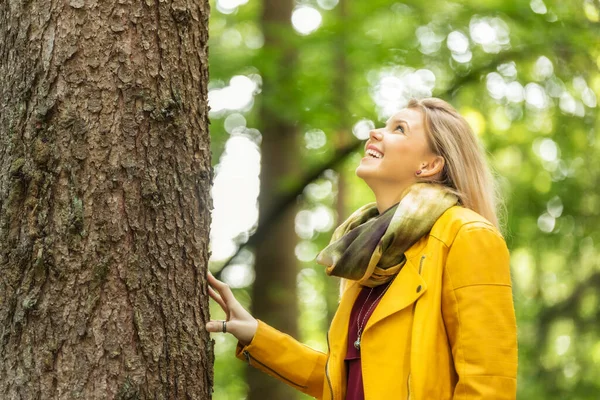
[
  {"x": 342, "y": 138},
  {"x": 274, "y": 290},
  {"x": 104, "y": 200}
]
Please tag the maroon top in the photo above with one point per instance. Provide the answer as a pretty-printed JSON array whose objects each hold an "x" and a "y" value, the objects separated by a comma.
[{"x": 355, "y": 382}]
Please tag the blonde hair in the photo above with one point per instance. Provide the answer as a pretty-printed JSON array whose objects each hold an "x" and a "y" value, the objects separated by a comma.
[{"x": 466, "y": 170}]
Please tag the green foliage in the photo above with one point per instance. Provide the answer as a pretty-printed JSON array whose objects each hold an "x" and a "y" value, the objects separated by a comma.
[{"x": 544, "y": 149}]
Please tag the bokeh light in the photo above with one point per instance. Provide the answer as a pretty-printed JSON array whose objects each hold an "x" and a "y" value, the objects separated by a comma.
[{"x": 306, "y": 19}]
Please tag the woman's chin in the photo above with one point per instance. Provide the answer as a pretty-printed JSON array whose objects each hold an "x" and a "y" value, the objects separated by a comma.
[{"x": 363, "y": 171}]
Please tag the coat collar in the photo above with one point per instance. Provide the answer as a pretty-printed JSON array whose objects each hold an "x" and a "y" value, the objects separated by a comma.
[
  {"x": 404, "y": 290},
  {"x": 406, "y": 287}
]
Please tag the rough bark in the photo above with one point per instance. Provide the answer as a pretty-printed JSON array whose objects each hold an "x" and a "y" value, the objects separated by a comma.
[
  {"x": 274, "y": 290},
  {"x": 104, "y": 200}
]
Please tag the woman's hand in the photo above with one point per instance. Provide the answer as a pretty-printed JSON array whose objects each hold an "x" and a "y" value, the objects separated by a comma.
[{"x": 240, "y": 323}]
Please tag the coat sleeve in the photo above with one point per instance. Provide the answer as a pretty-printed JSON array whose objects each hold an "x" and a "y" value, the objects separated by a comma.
[
  {"x": 479, "y": 316},
  {"x": 285, "y": 359}
]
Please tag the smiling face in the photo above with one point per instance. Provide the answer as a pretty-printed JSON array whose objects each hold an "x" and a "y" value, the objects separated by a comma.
[{"x": 394, "y": 153}]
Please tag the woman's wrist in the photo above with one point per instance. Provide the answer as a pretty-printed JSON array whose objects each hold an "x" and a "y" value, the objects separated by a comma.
[{"x": 246, "y": 335}]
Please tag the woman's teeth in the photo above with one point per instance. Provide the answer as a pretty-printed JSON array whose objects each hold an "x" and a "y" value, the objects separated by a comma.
[{"x": 374, "y": 153}]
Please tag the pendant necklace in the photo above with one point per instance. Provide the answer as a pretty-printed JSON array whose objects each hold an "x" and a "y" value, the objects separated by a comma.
[{"x": 358, "y": 322}]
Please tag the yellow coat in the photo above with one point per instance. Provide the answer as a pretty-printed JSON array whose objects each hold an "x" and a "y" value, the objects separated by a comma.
[{"x": 445, "y": 328}]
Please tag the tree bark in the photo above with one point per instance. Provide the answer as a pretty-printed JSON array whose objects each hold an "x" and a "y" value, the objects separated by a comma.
[
  {"x": 104, "y": 200},
  {"x": 274, "y": 290}
]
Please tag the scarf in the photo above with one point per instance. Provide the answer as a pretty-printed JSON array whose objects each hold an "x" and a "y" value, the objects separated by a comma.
[{"x": 369, "y": 247}]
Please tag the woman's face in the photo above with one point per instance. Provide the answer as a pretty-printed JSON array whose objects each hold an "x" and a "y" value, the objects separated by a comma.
[{"x": 394, "y": 153}]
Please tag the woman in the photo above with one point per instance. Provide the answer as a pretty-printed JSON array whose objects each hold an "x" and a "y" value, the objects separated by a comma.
[{"x": 426, "y": 308}]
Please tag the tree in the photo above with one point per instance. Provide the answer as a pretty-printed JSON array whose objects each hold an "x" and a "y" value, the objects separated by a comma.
[
  {"x": 274, "y": 288},
  {"x": 104, "y": 200}
]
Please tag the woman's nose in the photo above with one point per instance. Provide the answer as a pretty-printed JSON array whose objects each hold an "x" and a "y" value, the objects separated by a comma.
[{"x": 375, "y": 134}]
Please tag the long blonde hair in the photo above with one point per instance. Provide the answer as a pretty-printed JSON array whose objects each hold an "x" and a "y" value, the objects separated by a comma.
[{"x": 466, "y": 170}]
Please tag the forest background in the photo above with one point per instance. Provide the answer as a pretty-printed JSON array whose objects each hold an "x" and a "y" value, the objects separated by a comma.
[{"x": 298, "y": 85}]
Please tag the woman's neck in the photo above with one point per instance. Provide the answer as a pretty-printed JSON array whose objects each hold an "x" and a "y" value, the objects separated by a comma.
[{"x": 387, "y": 197}]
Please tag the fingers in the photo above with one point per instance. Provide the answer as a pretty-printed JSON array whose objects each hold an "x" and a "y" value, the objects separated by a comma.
[
  {"x": 215, "y": 296},
  {"x": 223, "y": 289},
  {"x": 216, "y": 326},
  {"x": 214, "y": 281},
  {"x": 243, "y": 331}
]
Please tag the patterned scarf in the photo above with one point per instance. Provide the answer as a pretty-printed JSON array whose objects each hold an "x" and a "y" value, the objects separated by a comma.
[{"x": 369, "y": 247}]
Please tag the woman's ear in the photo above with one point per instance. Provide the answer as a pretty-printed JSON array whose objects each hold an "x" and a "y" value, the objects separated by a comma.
[{"x": 434, "y": 167}]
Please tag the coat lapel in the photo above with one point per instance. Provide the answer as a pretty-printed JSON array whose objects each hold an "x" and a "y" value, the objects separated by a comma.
[
  {"x": 404, "y": 290},
  {"x": 339, "y": 324},
  {"x": 337, "y": 338}
]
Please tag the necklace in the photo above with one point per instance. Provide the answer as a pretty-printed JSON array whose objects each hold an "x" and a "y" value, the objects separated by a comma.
[{"x": 358, "y": 322}]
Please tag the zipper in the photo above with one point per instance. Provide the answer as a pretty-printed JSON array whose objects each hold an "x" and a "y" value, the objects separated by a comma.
[
  {"x": 420, "y": 269},
  {"x": 421, "y": 263},
  {"x": 327, "y": 365},
  {"x": 250, "y": 357},
  {"x": 413, "y": 315}
]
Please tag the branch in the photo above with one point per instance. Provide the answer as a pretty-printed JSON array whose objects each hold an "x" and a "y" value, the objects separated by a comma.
[
  {"x": 565, "y": 308},
  {"x": 286, "y": 200}
]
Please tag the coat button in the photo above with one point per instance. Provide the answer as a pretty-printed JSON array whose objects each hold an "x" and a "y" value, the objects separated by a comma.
[{"x": 419, "y": 289}]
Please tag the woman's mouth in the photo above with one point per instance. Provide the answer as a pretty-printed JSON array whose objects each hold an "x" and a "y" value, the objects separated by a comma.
[{"x": 374, "y": 153}]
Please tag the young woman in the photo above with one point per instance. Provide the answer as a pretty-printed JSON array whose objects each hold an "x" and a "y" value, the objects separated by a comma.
[{"x": 426, "y": 309}]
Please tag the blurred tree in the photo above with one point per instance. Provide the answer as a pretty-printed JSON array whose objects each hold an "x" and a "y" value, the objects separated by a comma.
[
  {"x": 274, "y": 289},
  {"x": 341, "y": 136},
  {"x": 104, "y": 200}
]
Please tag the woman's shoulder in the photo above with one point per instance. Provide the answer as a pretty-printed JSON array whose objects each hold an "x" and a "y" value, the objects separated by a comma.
[{"x": 458, "y": 219}]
